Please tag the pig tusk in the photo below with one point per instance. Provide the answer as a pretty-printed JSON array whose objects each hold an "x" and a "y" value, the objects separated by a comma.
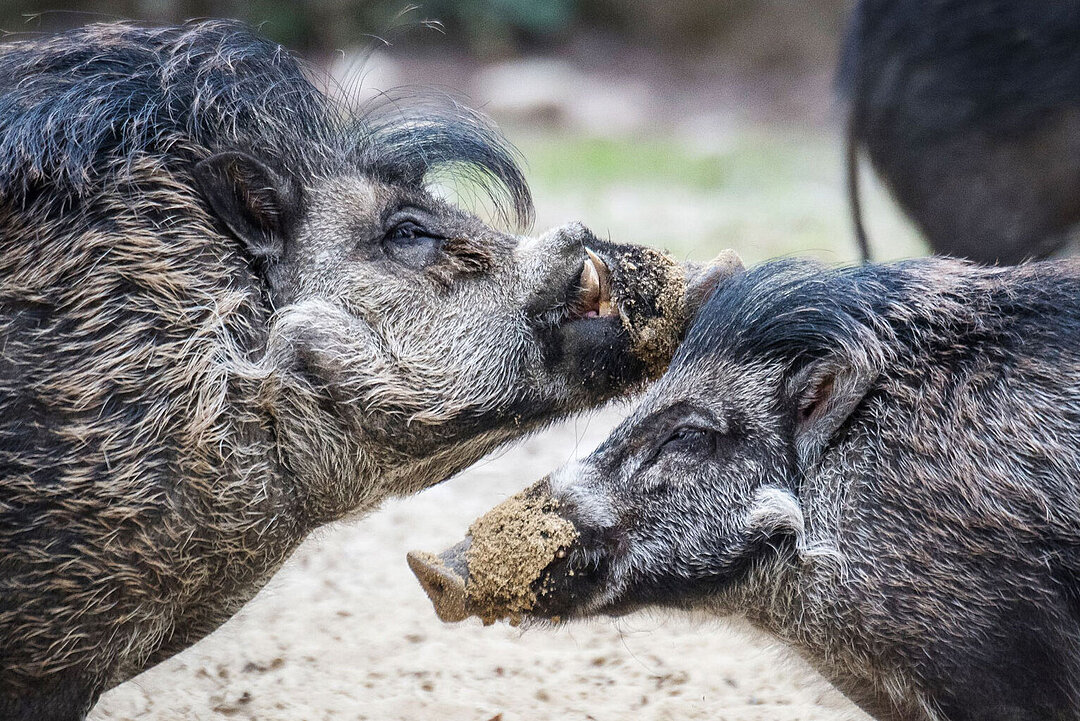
[
  {"x": 605, "y": 307},
  {"x": 590, "y": 283}
]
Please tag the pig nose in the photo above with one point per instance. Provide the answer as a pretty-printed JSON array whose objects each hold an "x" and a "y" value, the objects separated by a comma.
[
  {"x": 443, "y": 579},
  {"x": 567, "y": 240},
  {"x": 576, "y": 232}
]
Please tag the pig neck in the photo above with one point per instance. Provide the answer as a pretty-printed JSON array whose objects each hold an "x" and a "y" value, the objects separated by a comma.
[
  {"x": 805, "y": 598},
  {"x": 797, "y": 601},
  {"x": 328, "y": 467}
]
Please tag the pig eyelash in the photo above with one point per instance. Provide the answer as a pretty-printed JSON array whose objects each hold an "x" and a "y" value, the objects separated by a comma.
[
  {"x": 685, "y": 434},
  {"x": 687, "y": 437},
  {"x": 408, "y": 231}
]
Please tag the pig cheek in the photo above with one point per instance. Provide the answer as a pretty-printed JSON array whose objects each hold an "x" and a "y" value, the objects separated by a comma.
[
  {"x": 643, "y": 538},
  {"x": 382, "y": 301},
  {"x": 674, "y": 531}
]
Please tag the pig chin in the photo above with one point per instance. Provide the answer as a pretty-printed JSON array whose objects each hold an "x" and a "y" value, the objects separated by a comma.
[
  {"x": 576, "y": 586},
  {"x": 589, "y": 585}
]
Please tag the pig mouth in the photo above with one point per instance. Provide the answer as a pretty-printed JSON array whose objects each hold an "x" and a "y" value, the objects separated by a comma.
[{"x": 580, "y": 293}]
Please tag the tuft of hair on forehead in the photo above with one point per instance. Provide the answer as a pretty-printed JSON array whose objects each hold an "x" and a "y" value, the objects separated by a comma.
[
  {"x": 794, "y": 312},
  {"x": 404, "y": 137},
  {"x": 797, "y": 311},
  {"x": 78, "y": 106}
]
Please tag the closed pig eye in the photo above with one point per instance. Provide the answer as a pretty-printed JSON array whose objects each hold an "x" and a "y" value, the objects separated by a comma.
[
  {"x": 411, "y": 243},
  {"x": 684, "y": 443},
  {"x": 692, "y": 439}
]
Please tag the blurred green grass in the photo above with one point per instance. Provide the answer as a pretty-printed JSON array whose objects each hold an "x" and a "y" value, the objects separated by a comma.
[
  {"x": 573, "y": 163},
  {"x": 765, "y": 192}
]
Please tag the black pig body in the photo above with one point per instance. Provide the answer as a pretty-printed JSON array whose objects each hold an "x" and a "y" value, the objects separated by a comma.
[
  {"x": 970, "y": 112},
  {"x": 878, "y": 465}
]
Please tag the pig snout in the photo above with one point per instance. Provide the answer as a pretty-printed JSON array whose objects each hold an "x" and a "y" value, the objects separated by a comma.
[
  {"x": 507, "y": 566},
  {"x": 443, "y": 578}
]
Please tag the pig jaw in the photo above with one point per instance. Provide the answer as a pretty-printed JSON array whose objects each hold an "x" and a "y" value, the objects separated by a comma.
[
  {"x": 600, "y": 573},
  {"x": 621, "y": 563}
]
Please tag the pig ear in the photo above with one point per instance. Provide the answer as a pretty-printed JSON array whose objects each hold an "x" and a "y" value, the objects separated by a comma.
[
  {"x": 824, "y": 395},
  {"x": 702, "y": 279},
  {"x": 255, "y": 202}
]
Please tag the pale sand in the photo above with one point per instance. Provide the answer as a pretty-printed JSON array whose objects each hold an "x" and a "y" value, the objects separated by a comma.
[{"x": 345, "y": 632}]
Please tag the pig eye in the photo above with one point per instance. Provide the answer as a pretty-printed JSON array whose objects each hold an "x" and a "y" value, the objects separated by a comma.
[
  {"x": 410, "y": 243},
  {"x": 687, "y": 438},
  {"x": 408, "y": 231}
]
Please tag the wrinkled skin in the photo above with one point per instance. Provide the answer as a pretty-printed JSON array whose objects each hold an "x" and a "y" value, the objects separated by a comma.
[{"x": 878, "y": 466}]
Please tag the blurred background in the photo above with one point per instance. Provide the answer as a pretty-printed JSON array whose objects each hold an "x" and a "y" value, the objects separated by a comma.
[{"x": 692, "y": 125}]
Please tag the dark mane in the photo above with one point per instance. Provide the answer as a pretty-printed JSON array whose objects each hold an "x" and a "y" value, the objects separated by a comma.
[
  {"x": 76, "y": 106},
  {"x": 795, "y": 311},
  {"x": 786, "y": 308}
]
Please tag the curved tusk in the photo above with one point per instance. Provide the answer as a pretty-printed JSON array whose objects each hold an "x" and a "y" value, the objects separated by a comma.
[
  {"x": 590, "y": 284},
  {"x": 605, "y": 307}
]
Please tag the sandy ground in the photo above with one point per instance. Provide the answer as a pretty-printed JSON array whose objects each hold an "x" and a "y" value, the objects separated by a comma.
[{"x": 345, "y": 632}]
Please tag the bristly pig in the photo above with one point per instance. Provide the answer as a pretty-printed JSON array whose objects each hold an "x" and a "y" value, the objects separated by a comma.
[
  {"x": 879, "y": 466},
  {"x": 230, "y": 311}
]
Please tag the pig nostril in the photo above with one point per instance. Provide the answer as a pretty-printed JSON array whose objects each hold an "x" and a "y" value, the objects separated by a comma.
[{"x": 442, "y": 584}]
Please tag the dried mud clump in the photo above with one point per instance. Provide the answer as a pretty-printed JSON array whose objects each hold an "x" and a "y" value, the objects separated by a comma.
[
  {"x": 649, "y": 289},
  {"x": 511, "y": 546}
]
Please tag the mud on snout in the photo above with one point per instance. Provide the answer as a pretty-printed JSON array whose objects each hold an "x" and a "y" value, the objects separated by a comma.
[
  {"x": 653, "y": 296},
  {"x": 515, "y": 563}
]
